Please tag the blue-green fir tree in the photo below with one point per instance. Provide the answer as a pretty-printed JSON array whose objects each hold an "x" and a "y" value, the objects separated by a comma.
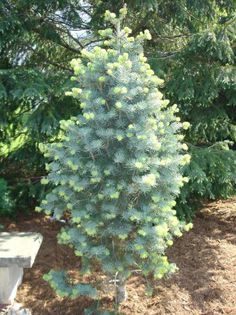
[{"x": 117, "y": 169}]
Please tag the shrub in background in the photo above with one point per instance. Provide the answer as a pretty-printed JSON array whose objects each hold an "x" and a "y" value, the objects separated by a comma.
[
  {"x": 6, "y": 203},
  {"x": 117, "y": 170},
  {"x": 211, "y": 175}
]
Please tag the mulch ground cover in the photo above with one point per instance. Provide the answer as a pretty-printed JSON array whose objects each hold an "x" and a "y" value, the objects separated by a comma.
[{"x": 205, "y": 283}]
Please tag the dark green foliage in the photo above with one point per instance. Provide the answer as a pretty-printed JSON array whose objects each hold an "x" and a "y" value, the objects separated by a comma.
[
  {"x": 212, "y": 175},
  {"x": 23, "y": 169},
  {"x": 35, "y": 48},
  {"x": 192, "y": 48},
  {"x": 6, "y": 203},
  {"x": 202, "y": 82}
]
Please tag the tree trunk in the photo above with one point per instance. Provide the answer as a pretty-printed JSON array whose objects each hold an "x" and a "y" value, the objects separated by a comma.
[{"x": 121, "y": 293}]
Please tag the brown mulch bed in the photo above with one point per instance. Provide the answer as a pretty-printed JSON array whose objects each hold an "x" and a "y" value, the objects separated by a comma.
[{"x": 205, "y": 283}]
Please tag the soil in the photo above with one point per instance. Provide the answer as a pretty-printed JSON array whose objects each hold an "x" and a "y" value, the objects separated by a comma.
[{"x": 205, "y": 283}]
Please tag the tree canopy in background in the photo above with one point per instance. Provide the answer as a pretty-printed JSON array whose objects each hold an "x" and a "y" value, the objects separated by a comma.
[
  {"x": 193, "y": 49},
  {"x": 36, "y": 44}
]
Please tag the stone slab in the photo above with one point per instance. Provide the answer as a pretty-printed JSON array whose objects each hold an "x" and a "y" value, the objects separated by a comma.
[
  {"x": 15, "y": 309},
  {"x": 10, "y": 279},
  {"x": 19, "y": 248}
]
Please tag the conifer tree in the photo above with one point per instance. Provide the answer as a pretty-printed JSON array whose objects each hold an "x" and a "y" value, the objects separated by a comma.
[{"x": 117, "y": 170}]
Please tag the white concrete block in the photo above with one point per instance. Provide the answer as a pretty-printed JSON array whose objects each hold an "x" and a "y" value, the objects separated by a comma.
[
  {"x": 10, "y": 279},
  {"x": 17, "y": 309},
  {"x": 19, "y": 248},
  {"x": 17, "y": 251}
]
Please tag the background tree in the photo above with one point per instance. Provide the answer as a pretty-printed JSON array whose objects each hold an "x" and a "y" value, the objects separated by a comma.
[
  {"x": 38, "y": 38},
  {"x": 192, "y": 48},
  {"x": 118, "y": 169}
]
